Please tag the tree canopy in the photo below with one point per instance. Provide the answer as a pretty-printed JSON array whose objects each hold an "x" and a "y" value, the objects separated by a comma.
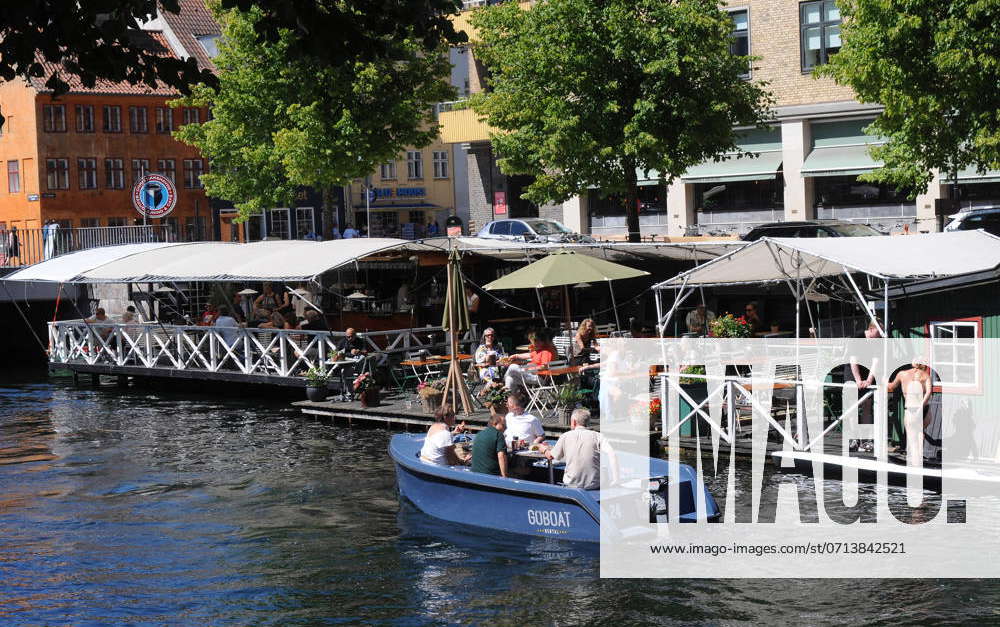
[
  {"x": 586, "y": 92},
  {"x": 281, "y": 122},
  {"x": 935, "y": 67},
  {"x": 94, "y": 38}
]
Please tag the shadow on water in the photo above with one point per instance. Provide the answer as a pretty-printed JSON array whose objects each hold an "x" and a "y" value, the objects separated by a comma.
[{"x": 155, "y": 506}]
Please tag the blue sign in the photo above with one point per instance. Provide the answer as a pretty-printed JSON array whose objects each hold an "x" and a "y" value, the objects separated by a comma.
[
  {"x": 372, "y": 195},
  {"x": 154, "y": 196},
  {"x": 410, "y": 192}
]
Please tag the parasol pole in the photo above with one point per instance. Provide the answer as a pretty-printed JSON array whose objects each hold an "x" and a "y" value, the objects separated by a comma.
[
  {"x": 569, "y": 323},
  {"x": 614, "y": 306}
]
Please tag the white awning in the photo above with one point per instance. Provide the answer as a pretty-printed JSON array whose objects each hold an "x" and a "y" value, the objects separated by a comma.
[
  {"x": 897, "y": 257},
  {"x": 65, "y": 268},
  {"x": 614, "y": 251},
  {"x": 279, "y": 260}
]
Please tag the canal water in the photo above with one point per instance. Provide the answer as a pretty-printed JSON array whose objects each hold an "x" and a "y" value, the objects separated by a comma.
[{"x": 148, "y": 506}]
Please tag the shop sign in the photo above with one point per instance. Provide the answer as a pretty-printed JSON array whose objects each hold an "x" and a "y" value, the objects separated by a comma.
[
  {"x": 154, "y": 196},
  {"x": 499, "y": 203}
]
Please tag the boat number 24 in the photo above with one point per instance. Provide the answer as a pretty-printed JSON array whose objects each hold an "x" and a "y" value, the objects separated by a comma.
[{"x": 547, "y": 518}]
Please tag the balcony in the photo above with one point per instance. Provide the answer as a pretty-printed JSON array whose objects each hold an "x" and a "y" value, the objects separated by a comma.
[{"x": 460, "y": 124}]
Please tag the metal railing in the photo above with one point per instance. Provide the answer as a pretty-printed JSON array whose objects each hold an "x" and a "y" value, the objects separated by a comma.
[
  {"x": 251, "y": 352},
  {"x": 23, "y": 247}
]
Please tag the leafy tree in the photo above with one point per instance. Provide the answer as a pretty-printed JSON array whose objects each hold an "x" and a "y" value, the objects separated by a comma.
[
  {"x": 935, "y": 67},
  {"x": 280, "y": 122},
  {"x": 593, "y": 92}
]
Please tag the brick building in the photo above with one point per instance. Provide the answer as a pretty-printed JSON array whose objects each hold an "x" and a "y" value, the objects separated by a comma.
[
  {"x": 807, "y": 163},
  {"x": 74, "y": 158}
]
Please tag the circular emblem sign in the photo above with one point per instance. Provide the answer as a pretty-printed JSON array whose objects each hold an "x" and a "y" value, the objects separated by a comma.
[{"x": 154, "y": 196}]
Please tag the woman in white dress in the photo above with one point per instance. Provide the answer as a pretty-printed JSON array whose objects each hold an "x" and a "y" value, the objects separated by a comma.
[{"x": 916, "y": 384}]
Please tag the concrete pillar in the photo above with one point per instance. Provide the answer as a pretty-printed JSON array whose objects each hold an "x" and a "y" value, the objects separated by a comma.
[
  {"x": 796, "y": 142},
  {"x": 926, "y": 218},
  {"x": 575, "y": 214},
  {"x": 680, "y": 208}
]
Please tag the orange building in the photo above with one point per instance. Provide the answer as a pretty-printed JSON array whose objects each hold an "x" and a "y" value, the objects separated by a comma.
[{"x": 74, "y": 159}]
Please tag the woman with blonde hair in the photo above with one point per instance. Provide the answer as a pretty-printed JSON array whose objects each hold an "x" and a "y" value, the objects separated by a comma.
[
  {"x": 439, "y": 448},
  {"x": 916, "y": 384},
  {"x": 584, "y": 343}
]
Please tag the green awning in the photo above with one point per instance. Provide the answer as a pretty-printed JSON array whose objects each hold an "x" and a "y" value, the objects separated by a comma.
[
  {"x": 739, "y": 168},
  {"x": 839, "y": 161},
  {"x": 971, "y": 175}
]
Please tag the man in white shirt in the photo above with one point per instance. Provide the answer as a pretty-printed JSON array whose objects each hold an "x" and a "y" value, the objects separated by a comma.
[
  {"x": 698, "y": 319},
  {"x": 581, "y": 449},
  {"x": 521, "y": 425}
]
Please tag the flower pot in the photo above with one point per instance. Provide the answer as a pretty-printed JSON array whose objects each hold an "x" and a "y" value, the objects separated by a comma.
[
  {"x": 431, "y": 402},
  {"x": 316, "y": 394},
  {"x": 370, "y": 397}
]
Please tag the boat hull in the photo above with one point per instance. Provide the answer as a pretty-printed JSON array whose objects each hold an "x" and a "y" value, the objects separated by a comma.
[{"x": 518, "y": 506}]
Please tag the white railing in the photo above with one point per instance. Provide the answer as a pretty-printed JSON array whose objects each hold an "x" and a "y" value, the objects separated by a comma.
[{"x": 252, "y": 352}]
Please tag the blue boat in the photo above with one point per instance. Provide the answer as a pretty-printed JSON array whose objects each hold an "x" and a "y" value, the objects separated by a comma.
[{"x": 532, "y": 505}]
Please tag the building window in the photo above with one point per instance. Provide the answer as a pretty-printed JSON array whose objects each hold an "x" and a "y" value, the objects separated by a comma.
[
  {"x": 57, "y": 173},
  {"x": 88, "y": 173},
  {"x": 116, "y": 221},
  {"x": 740, "y": 44},
  {"x": 194, "y": 228},
  {"x": 140, "y": 168},
  {"x": 168, "y": 168},
  {"x": 54, "y": 118},
  {"x": 955, "y": 352},
  {"x": 193, "y": 169},
  {"x": 112, "y": 119},
  {"x": 13, "y": 177},
  {"x": 414, "y": 164},
  {"x": 279, "y": 224},
  {"x": 388, "y": 171},
  {"x": 114, "y": 174},
  {"x": 819, "y": 22},
  {"x": 138, "y": 122},
  {"x": 848, "y": 191},
  {"x": 304, "y": 222},
  {"x": 90, "y": 223},
  {"x": 84, "y": 118},
  {"x": 440, "y": 164},
  {"x": 210, "y": 43},
  {"x": 192, "y": 116},
  {"x": 164, "y": 120}
]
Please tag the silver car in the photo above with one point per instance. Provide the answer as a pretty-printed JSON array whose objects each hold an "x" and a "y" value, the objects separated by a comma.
[{"x": 531, "y": 230}]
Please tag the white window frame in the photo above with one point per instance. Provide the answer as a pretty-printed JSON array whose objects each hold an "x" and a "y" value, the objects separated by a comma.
[
  {"x": 164, "y": 120},
  {"x": 54, "y": 118},
  {"x": 192, "y": 174},
  {"x": 305, "y": 222},
  {"x": 112, "y": 119},
  {"x": 168, "y": 168},
  {"x": 414, "y": 165},
  {"x": 944, "y": 346},
  {"x": 281, "y": 227},
  {"x": 87, "y": 167},
  {"x": 114, "y": 173},
  {"x": 388, "y": 170},
  {"x": 84, "y": 118},
  {"x": 440, "y": 164}
]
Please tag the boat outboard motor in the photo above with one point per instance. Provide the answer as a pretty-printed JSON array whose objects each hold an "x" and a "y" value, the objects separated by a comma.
[{"x": 658, "y": 487}]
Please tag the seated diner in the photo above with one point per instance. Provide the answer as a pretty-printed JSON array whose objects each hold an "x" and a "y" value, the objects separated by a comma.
[
  {"x": 542, "y": 352},
  {"x": 439, "y": 448},
  {"x": 521, "y": 426},
  {"x": 489, "y": 448}
]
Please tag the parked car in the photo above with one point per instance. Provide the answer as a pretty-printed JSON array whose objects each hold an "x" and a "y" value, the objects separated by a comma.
[
  {"x": 531, "y": 230},
  {"x": 811, "y": 228},
  {"x": 986, "y": 218}
]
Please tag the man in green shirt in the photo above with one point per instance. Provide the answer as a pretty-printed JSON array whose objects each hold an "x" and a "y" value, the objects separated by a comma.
[{"x": 489, "y": 449}]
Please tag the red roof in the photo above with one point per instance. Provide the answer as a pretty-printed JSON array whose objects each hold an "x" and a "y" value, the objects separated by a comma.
[
  {"x": 151, "y": 40},
  {"x": 193, "y": 21}
]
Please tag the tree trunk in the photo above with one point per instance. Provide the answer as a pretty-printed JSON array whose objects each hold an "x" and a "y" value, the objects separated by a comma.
[
  {"x": 328, "y": 213},
  {"x": 632, "y": 203}
]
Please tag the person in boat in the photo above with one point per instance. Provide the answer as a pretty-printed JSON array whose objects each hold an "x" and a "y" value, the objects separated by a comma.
[
  {"x": 916, "y": 386},
  {"x": 542, "y": 352},
  {"x": 439, "y": 447},
  {"x": 520, "y": 424},
  {"x": 580, "y": 448},
  {"x": 490, "y": 346},
  {"x": 489, "y": 448}
]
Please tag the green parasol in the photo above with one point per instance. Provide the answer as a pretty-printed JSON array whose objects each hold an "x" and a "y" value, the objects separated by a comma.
[
  {"x": 566, "y": 268},
  {"x": 456, "y": 321}
]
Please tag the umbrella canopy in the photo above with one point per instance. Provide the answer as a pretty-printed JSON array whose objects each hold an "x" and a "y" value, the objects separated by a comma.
[
  {"x": 455, "y": 296},
  {"x": 564, "y": 268}
]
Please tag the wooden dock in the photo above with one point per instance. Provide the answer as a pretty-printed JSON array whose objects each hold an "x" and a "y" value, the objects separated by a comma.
[{"x": 403, "y": 410}]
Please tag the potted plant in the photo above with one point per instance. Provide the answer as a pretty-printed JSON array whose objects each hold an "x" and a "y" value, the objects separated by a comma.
[
  {"x": 431, "y": 393},
  {"x": 729, "y": 326},
  {"x": 567, "y": 397},
  {"x": 317, "y": 382},
  {"x": 495, "y": 398},
  {"x": 366, "y": 390}
]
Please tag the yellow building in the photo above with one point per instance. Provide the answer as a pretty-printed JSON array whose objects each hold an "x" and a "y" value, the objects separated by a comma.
[
  {"x": 808, "y": 161},
  {"x": 408, "y": 194}
]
